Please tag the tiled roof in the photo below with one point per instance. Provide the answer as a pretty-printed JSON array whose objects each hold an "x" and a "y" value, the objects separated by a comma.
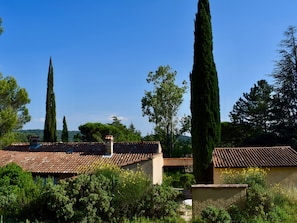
[
  {"x": 243, "y": 157},
  {"x": 75, "y": 157}
]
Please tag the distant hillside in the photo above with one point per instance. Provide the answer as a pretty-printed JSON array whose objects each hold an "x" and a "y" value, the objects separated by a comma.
[
  {"x": 39, "y": 132},
  {"x": 184, "y": 138}
]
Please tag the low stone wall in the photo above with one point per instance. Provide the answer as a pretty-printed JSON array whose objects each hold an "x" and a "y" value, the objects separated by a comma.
[{"x": 217, "y": 195}]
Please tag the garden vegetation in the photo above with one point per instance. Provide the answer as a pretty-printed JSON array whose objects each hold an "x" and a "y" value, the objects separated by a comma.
[{"x": 109, "y": 194}]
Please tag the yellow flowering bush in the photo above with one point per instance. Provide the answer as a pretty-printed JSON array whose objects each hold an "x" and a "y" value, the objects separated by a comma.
[
  {"x": 258, "y": 201},
  {"x": 250, "y": 176}
]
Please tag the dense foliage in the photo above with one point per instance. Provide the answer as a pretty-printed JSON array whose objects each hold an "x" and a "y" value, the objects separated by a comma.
[
  {"x": 24, "y": 135},
  {"x": 110, "y": 194},
  {"x": 50, "y": 124},
  {"x": 161, "y": 106},
  {"x": 205, "y": 106},
  {"x": 96, "y": 132},
  {"x": 179, "y": 180},
  {"x": 263, "y": 203},
  {"x": 16, "y": 187},
  {"x": 13, "y": 111},
  {"x": 253, "y": 109}
]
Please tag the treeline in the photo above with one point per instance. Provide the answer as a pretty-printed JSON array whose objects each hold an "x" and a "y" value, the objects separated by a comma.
[
  {"x": 267, "y": 115},
  {"x": 90, "y": 132},
  {"x": 23, "y": 135}
]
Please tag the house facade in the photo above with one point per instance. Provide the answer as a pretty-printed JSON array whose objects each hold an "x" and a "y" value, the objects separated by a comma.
[
  {"x": 65, "y": 160},
  {"x": 280, "y": 162}
]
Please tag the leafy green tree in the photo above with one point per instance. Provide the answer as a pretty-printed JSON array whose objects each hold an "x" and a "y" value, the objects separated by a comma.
[
  {"x": 13, "y": 111},
  {"x": 65, "y": 136},
  {"x": 50, "y": 125},
  {"x": 182, "y": 147},
  {"x": 205, "y": 106},
  {"x": 16, "y": 187},
  {"x": 162, "y": 104},
  {"x": 96, "y": 132},
  {"x": 285, "y": 95}
]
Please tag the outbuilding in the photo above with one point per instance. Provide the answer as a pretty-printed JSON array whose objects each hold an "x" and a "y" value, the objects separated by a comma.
[{"x": 279, "y": 161}]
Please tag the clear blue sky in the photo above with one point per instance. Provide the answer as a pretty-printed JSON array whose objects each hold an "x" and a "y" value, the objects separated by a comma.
[{"x": 102, "y": 51}]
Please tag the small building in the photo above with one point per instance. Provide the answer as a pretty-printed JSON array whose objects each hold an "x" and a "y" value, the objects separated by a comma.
[
  {"x": 65, "y": 160},
  {"x": 280, "y": 162}
]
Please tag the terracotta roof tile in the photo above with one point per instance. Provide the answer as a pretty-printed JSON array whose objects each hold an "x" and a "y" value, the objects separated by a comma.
[
  {"x": 75, "y": 158},
  {"x": 243, "y": 157}
]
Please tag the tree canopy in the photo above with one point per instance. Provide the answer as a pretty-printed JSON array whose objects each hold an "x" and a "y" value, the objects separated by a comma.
[
  {"x": 13, "y": 111},
  {"x": 254, "y": 108},
  {"x": 15, "y": 188},
  {"x": 96, "y": 132},
  {"x": 161, "y": 105}
]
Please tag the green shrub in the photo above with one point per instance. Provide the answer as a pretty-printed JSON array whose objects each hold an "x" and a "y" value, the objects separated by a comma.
[
  {"x": 236, "y": 214},
  {"x": 179, "y": 180},
  {"x": 258, "y": 200},
  {"x": 250, "y": 176},
  {"x": 110, "y": 194},
  {"x": 175, "y": 219},
  {"x": 128, "y": 189},
  {"x": 83, "y": 199},
  {"x": 214, "y": 215},
  {"x": 160, "y": 201},
  {"x": 16, "y": 188}
]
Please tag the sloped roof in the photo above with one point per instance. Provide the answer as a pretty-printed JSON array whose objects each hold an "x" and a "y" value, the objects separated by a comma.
[
  {"x": 244, "y": 157},
  {"x": 75, "y": 158}
]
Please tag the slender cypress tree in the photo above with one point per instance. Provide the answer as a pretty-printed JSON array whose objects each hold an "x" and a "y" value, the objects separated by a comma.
[
  {"x": 50, "y": 125},
  {"x": 205, "y": 108},
  {"x": 65, "y": 136}
]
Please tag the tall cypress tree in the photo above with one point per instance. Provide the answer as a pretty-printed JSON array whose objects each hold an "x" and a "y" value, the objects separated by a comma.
[
  {"x": 65, "y": 136},
  {"x": 50, "y": 125},
  {"x": 205, "y": 108}
]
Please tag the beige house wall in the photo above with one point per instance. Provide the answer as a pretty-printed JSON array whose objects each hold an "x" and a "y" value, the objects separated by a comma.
[
  {"x": 152, "y": 168},
  {"x": 285, "y": 176},
  {"x": 158, "y": 169},
  {"x": 217, "y": 195}
]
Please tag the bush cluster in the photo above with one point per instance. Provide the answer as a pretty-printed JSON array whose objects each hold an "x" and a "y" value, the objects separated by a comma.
[
  {"x": 179, "y": 180},
  {"x": 110, "y": 194}
]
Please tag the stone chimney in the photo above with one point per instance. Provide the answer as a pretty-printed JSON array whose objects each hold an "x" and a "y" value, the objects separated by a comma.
[
  {"x": 34, "y": 142},
  {"x": 109, "y": 145}
]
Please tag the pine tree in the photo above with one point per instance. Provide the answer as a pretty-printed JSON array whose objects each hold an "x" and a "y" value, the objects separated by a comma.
[
  {"x": 65, "y": 136},
  {"x": 50, "y": 125},
  {"x": 205, "y": 108},
  {"x": 284, "y": 112}
]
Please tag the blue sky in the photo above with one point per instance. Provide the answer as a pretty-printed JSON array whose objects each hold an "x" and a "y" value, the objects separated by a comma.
[{"x": 102, "y": 52}]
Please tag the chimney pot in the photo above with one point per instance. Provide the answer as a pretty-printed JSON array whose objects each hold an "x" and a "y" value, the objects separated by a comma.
[{"x": 109, "y": 145}]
